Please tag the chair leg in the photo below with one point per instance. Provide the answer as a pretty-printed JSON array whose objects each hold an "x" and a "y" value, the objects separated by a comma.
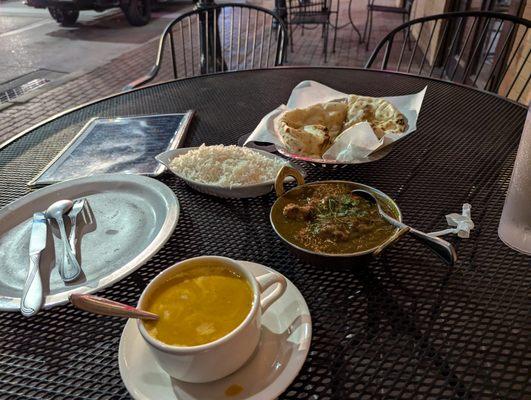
[
  {"x": 366, "y": 26},
  {"x": 335, "y": 33},
  {"x": 291, "y": 36},
  {"x": 327, "y": 35},
  {"x": 369, "y": 32},
  {"x": 325, "y": 45},
  {"x": 302, "y": 32}
]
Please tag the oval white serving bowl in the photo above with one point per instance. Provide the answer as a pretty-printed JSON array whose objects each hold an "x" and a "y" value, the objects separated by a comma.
[{"x": 235, "y": 192}]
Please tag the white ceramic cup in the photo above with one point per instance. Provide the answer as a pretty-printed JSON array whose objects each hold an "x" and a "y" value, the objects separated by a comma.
[{"x": 217, "y": 359}]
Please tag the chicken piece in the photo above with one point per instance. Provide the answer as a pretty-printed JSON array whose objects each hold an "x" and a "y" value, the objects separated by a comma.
[
  {"x": 298, "y": 213},
  {"x": 334, "y": 232}
]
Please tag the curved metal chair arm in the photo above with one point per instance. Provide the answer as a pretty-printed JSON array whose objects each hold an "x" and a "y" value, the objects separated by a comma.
[{"x": 142, "y": 80}]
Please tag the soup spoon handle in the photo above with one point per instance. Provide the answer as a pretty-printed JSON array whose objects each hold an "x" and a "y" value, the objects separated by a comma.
[
  {"x": 99, "y": 305},
  {"x": 439, "y": 246}
]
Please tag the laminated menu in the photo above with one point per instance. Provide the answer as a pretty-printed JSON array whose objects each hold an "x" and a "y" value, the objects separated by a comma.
[{"x": 117, "y": 145}]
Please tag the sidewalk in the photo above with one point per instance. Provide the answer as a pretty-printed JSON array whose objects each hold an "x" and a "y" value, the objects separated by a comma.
[
  {"x": 112, "y": 77},
  {"x": 101, "y": 82}
]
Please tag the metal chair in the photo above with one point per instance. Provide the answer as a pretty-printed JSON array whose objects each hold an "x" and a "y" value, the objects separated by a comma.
[
  {"x": 405, "y": 11},
  {"x": 227, "y": 37},
  {"x": 475, "y": 48},
  {"x": 313, "y": 12}
]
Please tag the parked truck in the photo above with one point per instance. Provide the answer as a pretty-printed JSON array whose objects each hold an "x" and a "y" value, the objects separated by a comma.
[{"x": 66, "y": 12}]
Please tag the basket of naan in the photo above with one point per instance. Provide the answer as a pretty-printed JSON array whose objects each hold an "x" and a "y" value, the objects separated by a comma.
[{"x": 342, "y": 129}]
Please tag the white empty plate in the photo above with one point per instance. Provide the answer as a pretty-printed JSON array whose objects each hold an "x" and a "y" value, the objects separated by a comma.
[
  {"x": 129, "y": 219},
  {"x": 283, "y": 347}
]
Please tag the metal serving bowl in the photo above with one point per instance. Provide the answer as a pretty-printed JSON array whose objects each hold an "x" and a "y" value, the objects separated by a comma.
[{"x": 319, "y": 258}]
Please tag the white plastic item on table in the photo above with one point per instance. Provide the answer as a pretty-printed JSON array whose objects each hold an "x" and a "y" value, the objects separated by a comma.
[{"x": 463, "y": 223}]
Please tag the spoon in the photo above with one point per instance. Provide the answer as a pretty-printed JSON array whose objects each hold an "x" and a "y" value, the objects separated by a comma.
[
  {"x": 56, "y": 211},
  {"x": 439, "y": 246},
  {"x": 99, "y": 305}
]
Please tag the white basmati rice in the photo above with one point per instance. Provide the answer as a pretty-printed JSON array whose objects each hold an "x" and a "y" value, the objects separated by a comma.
[{"x": 226, "y": 166}]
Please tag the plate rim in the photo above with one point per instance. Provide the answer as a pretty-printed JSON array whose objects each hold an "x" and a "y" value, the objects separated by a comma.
[
  {"x": 277, "y": 387},
  {"x": 9, "y": 303}
]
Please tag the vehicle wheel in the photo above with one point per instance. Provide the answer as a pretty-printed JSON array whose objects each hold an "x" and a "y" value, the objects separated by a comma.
[
  {"x": 65, "y": 16},
  {"x": 137, "y": 12}
]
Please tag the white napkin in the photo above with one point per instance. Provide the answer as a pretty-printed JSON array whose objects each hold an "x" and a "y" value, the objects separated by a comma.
[{"x": 355, "y": 144}]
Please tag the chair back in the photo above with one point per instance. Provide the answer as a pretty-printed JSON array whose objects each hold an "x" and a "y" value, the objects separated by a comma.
[
  {"x": 308, "y": 7},
  {"x": 405, "y": 4},
  {"x": 227, "y": 37},
  {"x": 482, "y": 49}
]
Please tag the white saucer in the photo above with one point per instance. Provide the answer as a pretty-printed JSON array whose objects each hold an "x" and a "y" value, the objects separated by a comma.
[{"x": 284, "y": 345}]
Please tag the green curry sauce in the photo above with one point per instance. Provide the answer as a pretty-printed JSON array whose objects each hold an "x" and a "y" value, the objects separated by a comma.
[{"x": 327, "y": 218}]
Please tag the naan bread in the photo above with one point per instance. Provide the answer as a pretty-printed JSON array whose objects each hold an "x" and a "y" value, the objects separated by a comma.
[
  {"x": 309, "y": 131},
  {"x": 379, "y": 113}
]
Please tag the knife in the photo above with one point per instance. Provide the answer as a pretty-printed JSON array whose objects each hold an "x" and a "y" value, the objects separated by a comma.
[{"x": 31, "y": 300}]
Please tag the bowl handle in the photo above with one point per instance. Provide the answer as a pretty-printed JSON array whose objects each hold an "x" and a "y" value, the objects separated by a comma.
[
  {"x": 284, "y": 172},
  {"x": 401, "y": 232}
]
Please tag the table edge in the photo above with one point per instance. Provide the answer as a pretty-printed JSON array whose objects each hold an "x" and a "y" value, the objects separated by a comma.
[{"x": 76, "y": 108}]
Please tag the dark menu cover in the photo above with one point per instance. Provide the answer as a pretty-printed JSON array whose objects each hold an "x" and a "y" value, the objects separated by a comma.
[{"x": 114, "y": 145}]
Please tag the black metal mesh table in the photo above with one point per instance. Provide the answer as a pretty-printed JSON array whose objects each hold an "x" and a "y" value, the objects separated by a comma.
[{"x": 403, "y": 326}]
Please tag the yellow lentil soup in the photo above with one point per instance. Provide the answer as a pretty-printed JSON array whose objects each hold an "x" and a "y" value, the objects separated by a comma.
[{"x": 198, "y": 305}]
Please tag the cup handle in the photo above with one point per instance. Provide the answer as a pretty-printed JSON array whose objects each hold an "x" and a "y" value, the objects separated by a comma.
[{"x": 267, "y": 280}]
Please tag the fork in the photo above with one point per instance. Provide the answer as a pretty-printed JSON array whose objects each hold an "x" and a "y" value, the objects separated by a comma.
[{"x": 75, "y": 270}]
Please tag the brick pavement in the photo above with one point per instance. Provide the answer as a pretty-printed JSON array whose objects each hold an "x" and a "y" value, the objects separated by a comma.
[{"x": 112, "y": 77}]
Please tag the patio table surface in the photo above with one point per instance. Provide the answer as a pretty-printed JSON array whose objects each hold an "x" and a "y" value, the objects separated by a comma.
[{"x": 402, "y": 326}]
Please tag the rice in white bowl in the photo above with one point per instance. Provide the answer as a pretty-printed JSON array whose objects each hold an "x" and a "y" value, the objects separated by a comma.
[{"x": 226, "y": 166}]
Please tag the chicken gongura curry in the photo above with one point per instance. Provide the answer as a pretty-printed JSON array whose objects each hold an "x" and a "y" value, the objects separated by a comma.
[{"x": 327, "y": 218}]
